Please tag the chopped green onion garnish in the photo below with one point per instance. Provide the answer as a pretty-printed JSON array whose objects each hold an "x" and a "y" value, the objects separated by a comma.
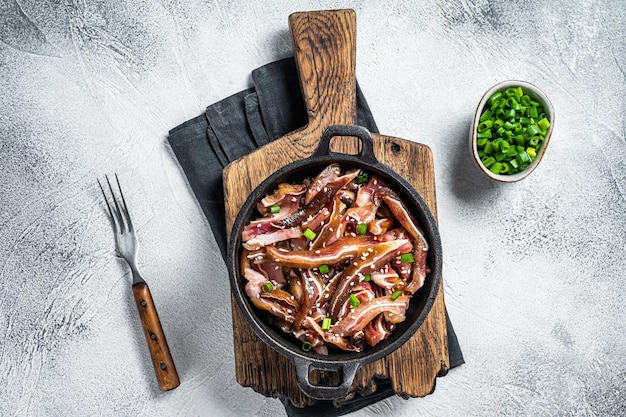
[
  {"x": 361, "y": 229},
  {"x": 362, "y": 178},
  {"x": 354, "y": 302},
  {"x": 326, "y": 323},
  {"x": 523, "y": 157},
  {"x": 495, "y": 97},
  {"x": 406, "y": 257},
  {"x": 487, "y": 124},
  {"x": 488, "y": 161},
  {"x": 511, "y": 131},
  {"x": 309, "y": 234},
  {"x": 324, "y": 269},
  {"x": 395, "y": 295},
  {"x": 367, "y": 278},
  {"x": 495, "y": 168},
  {"x": 306, "y": 346},
  {"x": 532, "y": 130},
  {"x": 267, "y": 287},
  {"x": 281, "y": 243},
  {"x": 543, "y": 124},
  {"x": 485, "y": 116},
  {"x": 484, "y": 134},
  {"x": 274, "y": 209}
]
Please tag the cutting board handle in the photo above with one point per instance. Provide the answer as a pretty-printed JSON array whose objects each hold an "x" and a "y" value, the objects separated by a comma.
[{"x": 324, "y": 44}]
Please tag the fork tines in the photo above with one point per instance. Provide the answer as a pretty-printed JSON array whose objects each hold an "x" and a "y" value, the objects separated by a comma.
[{"x": 118, "y": 211}]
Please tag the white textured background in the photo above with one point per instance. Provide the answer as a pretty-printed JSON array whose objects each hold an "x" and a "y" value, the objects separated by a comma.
[{"x": 534, "y": 272}]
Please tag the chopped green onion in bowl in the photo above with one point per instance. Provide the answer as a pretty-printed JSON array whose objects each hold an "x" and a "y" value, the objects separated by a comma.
[{"x": 511, "y": 130}]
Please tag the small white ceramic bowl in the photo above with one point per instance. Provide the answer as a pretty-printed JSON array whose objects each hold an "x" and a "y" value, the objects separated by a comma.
[{"x": 535, "y": 94}]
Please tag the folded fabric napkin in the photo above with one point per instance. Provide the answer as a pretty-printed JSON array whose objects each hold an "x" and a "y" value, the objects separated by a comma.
[{"x": 236, "y": 126}]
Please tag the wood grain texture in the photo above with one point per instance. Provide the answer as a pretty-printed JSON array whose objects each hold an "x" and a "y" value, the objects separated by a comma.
[
  {"x": 162, "y": 361},
  {"x": 324, "y": 47}
]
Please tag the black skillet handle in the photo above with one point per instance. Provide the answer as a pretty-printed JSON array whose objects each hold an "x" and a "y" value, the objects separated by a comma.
[
  {"x": 366, "y": 154},
  {"x": 346, "y": 370}
]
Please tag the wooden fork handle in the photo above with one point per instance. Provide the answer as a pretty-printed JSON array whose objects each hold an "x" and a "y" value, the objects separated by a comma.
[{"x": 161, "y": 358}]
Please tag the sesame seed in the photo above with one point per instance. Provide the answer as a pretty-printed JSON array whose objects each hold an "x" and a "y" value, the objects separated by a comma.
[
  {"x": 370, "y": 250},
  {"x": 318, "y": 251}
]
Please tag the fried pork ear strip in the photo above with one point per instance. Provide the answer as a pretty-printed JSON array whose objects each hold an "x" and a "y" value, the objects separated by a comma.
[
  {"x": 278, "y": 302},
  {"x": 284, "y": 192},
  {"x": 341, "y": 250},
  {"x": 332, "y": 230},
  {"x": 365, "y": 195},
  {"x": 328, "y": 175},
  {"x": 420, "y": 249},
  {"x": 317, "y": 201},
  {"x": 272, "y": 237},
  {"x": 387, "y": 278},
  {"x": 287, "y": 197},
  {"x": 377, "y": 329},
  {"x": 358, "y": 319},
  {"x": 313, "y": 288},
  {"x": 330, "y": 337},
  {"x": 369, "y": 261}
]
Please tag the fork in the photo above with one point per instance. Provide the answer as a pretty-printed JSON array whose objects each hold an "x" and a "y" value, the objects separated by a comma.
[{"x": 127, "y": 245}]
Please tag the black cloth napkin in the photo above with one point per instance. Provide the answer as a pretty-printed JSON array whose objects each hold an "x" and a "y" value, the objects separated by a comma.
[{"x": 239, "y": 124}]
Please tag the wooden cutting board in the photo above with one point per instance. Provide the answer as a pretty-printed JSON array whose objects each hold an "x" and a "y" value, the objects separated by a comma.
[{"x": 325, "y": 52}]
